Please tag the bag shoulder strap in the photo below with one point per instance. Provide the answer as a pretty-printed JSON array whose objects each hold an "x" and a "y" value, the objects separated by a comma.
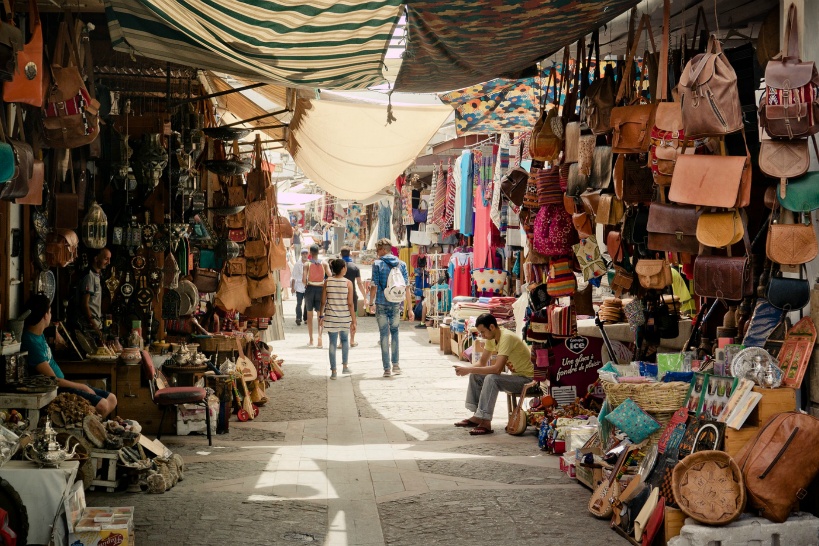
[
  {"x": 645, "y": 24},
  {"x": 791, "y": 42},
  {"x": 662, "y": 73}
]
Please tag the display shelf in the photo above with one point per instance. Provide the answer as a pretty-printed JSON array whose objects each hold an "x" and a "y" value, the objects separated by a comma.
[{"x": 773, "y": 402}]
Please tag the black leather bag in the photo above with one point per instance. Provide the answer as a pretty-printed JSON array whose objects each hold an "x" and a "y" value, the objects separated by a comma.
[
  {"x": 513, "y": 185},
  {"x": 788, "y": 294}
]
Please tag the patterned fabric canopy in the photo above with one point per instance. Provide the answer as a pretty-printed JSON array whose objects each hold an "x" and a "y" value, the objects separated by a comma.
[
  {"x": 459, "y": 43},
  {"x": 302, "y": 43},
  {"x": 503, "y": 105}
]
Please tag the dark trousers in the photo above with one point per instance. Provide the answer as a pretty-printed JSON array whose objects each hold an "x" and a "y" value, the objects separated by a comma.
[{"x": 301, "y": 316}]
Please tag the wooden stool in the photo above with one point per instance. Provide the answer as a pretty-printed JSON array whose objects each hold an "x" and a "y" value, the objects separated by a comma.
[
  {"x": 107, "y": 459},
  {"x": 512, "y": 397}
]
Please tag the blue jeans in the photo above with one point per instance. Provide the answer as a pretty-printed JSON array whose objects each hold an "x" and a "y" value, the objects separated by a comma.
[
  {"x": 388, "y": 317},
  {"x": 345, "y": 347},
  {"x": 301, "y": 316}
]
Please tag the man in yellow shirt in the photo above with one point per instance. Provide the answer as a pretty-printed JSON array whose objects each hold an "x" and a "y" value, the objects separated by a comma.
[{"x": 487, "y": 379}]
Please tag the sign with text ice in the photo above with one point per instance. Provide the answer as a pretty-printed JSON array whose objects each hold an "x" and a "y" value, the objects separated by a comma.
[{"x": 575, "y": 363}]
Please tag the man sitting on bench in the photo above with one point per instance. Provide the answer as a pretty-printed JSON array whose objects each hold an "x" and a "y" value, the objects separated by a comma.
[{"x": 486, "y": 380}]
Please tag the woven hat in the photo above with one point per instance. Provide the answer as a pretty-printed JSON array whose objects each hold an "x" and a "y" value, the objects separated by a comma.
[{"x": 708, "y": 486}]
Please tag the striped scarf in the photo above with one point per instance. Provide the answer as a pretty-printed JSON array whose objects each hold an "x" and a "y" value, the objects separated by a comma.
[
  {"x": 432, "y": 226},
  {"x": 449, "y": 219}
]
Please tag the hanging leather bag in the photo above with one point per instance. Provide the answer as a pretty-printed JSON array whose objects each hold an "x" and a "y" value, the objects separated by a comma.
[
  {"x": 787, "y": 293},
  {"x": 18, "y": 186},
  {"x": 785, "y": 159},
  {"x": 720, "y": 229},
  {"x": 709, "y": 98},
  {"x": 513, "y": 185},
  {"x": 547, "y": 182},
  {"x": 672, "y": 228},
  {"x": 712, "y": 180},
  {"x": 632, "y": 124},
  {"x": 725, "y": 277},
  {"x": 791, "y": 244},
  {"x": 61, "y": 247},
  {"x": 790, "y": 107},
  {"x": 262, "y": 308},
  {"x": 27, "y": 84},
  {"x": 259, "y": 288},
  {"x": 633, "y": 181},
  {"x": 11, "y": 44},
  {"x": 599, "y": 100},
  {"x": 802, "y": 193},
  {"x": 232, "y": 293},
  {"x": 66, "y": 204},
  {"x": 206, "y": 280},
  {"x": 70, "y": 113},
  {"x": 653, "y": 274},
  {"x": 258, "y": 180}
]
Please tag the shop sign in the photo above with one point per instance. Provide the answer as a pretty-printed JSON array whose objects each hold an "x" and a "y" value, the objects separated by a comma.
[{"x": 575, "y": 363}]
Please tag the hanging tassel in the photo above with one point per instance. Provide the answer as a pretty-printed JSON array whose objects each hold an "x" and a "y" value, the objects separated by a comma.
[{"x": 390, "y": 117}]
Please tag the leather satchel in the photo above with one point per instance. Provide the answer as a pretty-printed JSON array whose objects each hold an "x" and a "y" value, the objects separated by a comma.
[
  {"x": 599, "y": 99},
  {"x": 791, "y": 244},
  {"x": 673, "y": 228},
  {"x": 709, "y": 97},
  {"x": 572, "y": 142},
  {"x": 784, "y": 159},
  {"x": 232, "y": 293},
  {"x": 35, "y": 185},
  {"x": 720, "y": 229},
  {"x": 513, "y": 185},
  {"x": 633, "y": 181},
  {"x": 779, "y": 463},
  {"x": 261, "y": 308},
  {"x": 723, "y": 277},
  {"x": 70, "y": 114},
  {"x": 614, "y": 246},
  {"x": 667, "y": 139},
  {"x": 788, "y": 294},
  {"x": 712, "y": 181},
  {"x": 801, "y": 194},
  {"x": 654, "y": 274},
  {"x": 591, "y": 202},
  {"x": 259, "y": 288},
  {"x": 545, "y": 145},
  {"x": 27, "y": 84}
]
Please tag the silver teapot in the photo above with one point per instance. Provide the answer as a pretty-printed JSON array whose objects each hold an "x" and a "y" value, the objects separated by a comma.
[
  {"x": 182, "y": 355},
  {"x": 50, "y": 453},
  {"x": 200, "y": 358}
]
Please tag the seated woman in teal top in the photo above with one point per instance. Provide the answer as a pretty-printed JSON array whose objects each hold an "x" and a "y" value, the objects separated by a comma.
[{"x": 41, "y": 362}]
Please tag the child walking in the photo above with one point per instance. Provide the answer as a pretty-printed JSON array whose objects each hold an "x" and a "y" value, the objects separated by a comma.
[{"x": 337, "y": 314}]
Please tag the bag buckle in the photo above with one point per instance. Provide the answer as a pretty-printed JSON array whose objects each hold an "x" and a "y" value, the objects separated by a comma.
[{"x": 679, "y": 235}]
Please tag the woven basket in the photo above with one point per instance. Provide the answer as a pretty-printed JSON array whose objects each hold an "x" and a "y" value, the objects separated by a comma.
[
  {"x": 662, "y": 417},
  {"x": 709, "y": 487},
  {"x": 651, "y": 397},
  {"x": 216, "y": 343}
]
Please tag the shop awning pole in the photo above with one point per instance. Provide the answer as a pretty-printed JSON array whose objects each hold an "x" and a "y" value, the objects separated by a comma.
[
  {"x": 256, "y": 118},
  {"x": 220, "y": 93}
]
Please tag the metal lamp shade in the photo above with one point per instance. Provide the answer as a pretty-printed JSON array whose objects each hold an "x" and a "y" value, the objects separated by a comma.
[{"x": 95, "y": 227}]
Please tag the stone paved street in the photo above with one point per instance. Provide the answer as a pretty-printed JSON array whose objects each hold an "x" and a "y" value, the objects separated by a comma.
[{"x": 365, "y": 460}]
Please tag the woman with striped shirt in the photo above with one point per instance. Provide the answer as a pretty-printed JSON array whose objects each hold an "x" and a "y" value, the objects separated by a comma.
[{"x": 337, "y": 315}]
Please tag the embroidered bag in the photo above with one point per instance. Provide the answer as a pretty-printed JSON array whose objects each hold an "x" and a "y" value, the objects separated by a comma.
[
  {"x": 561, "y": 281},
  {"x": 633, "y": 421},
  {"x": 489, "y": 282},
  {"x": 553, "y": 233}
]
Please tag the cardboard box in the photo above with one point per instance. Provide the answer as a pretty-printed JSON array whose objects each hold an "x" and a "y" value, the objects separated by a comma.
[
  {"x": 191, "y": 418},
  {"x": 97, "y": 526},
  {"x": 567, "y": 465}
]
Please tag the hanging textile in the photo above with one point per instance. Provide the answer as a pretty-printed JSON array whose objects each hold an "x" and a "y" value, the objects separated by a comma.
[
  {"x": 450, "y": 197},
  {"x": 465, "y": 225},
  {"x": 432, "y": 227},
  {"x": 501, "y": 167},
  {"x": 405, "y": 206},
  {"x": 399, "y": 204},
  {"x": 329, "y": 209},
  {"x": 458, "y": 181},
  {"x": 482, "y": 232},
  {"x": 353, "y": 231},
  {"x": 440, "y": 200},
  {"x": 384, "y": 219}
]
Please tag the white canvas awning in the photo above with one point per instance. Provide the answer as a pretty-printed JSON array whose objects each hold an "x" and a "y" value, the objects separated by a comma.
[{"x": 351, "y": 151}]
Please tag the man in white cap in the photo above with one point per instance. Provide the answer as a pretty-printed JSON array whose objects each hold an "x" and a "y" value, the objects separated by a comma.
[{"x": 297, "y": 286}]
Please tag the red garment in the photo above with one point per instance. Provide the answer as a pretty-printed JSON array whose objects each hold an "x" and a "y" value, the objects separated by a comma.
[{"x": 462, "y": 281}]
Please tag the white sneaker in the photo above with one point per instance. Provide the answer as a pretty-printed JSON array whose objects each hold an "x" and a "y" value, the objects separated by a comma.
[{"x": 396, "y": 370}]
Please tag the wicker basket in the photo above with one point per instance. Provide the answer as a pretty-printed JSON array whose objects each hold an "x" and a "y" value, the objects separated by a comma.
[
  {"x": 662, "y": 417},
  {"x": 651, "y": 397},
  {"x": 216, "y": 343}
]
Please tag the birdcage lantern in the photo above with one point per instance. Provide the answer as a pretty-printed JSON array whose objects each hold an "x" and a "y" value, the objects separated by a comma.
[{"x": 95, "y": 227}]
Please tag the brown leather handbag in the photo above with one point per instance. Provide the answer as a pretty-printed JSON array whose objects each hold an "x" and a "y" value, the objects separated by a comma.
[
  {"x": 779, "y": 463},
  {"x": 257, "y": 266},
  {"x": 784, "y": 159},
  {"x": 712, "y": 180},
  {"x": 632, "y": 124},
  {"x": 653, "y": 274},
  {"x": 599, "y": 99},
  {"x": 667, "y": 138},
  {"x": 35, "y": 185},
  {"x": 258, "y": 180},
  {"x": 262, "y": 308},
  {"x": 610, "y": 210},
  {"x": 18, "y": 186},
  {"x": 725, "y": 277},
  {"x": 614, "y": 245},
  {"x": 513, "y": 185},
  {"x": 633, "y": 182},
  {"x": 791, "y": 244},
  {"x": 232, "y": 293},
  {"x": 709, "y": 97},
  {"x": 259, "y": 288},
  {"x": 61, "y": 247},
  {"x": 720, "y": 229},
  {"x": 672, "y": 228},
  {"x": 206, "y": 280},
  {"x": 27, "y": 84}
]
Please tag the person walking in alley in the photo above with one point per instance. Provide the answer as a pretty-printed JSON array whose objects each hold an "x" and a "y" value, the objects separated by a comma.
[
  {"x": 387, "y": 292},
  {"x": 337, "y": 315},
  {"x": 297, "y": 285},
  {"x": 313, "y": 276},
  {"x": 353, "y": 274},
  {"x": 297, "y": 240},
  {"x": 487, "y": 379}
]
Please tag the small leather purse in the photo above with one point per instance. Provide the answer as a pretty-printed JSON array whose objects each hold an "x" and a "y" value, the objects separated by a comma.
[
  {"x": 792, "y": 244},
  {"x": 789, "y": 294},
  {"x": 653, "y": 274},
  {"x": 610, "y": 210},
  {"x": 720, "y": 229}
]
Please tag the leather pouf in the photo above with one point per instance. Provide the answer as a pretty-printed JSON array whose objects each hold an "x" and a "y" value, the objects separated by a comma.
[{"x": 708, "y": 487}]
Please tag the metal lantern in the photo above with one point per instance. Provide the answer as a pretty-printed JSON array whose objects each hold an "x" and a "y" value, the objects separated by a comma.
[{"x": 95, "y": 227}]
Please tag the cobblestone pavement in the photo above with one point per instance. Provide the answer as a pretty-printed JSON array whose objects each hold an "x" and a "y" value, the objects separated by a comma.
[{"x": 362, "y": 461}]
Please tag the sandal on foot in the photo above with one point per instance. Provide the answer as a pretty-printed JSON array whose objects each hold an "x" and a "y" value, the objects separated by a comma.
[
  {"x": 480, "y": 431},
  {"x": 466, "y": 423}
]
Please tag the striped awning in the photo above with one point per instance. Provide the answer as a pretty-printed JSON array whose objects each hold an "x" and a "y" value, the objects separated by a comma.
[{"x": 312, "y": 43}]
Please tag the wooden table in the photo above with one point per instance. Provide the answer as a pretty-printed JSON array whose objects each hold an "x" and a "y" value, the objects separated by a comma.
[
  {"x": 90, "y": 369},
  {"x": 32, "y": 403}
]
